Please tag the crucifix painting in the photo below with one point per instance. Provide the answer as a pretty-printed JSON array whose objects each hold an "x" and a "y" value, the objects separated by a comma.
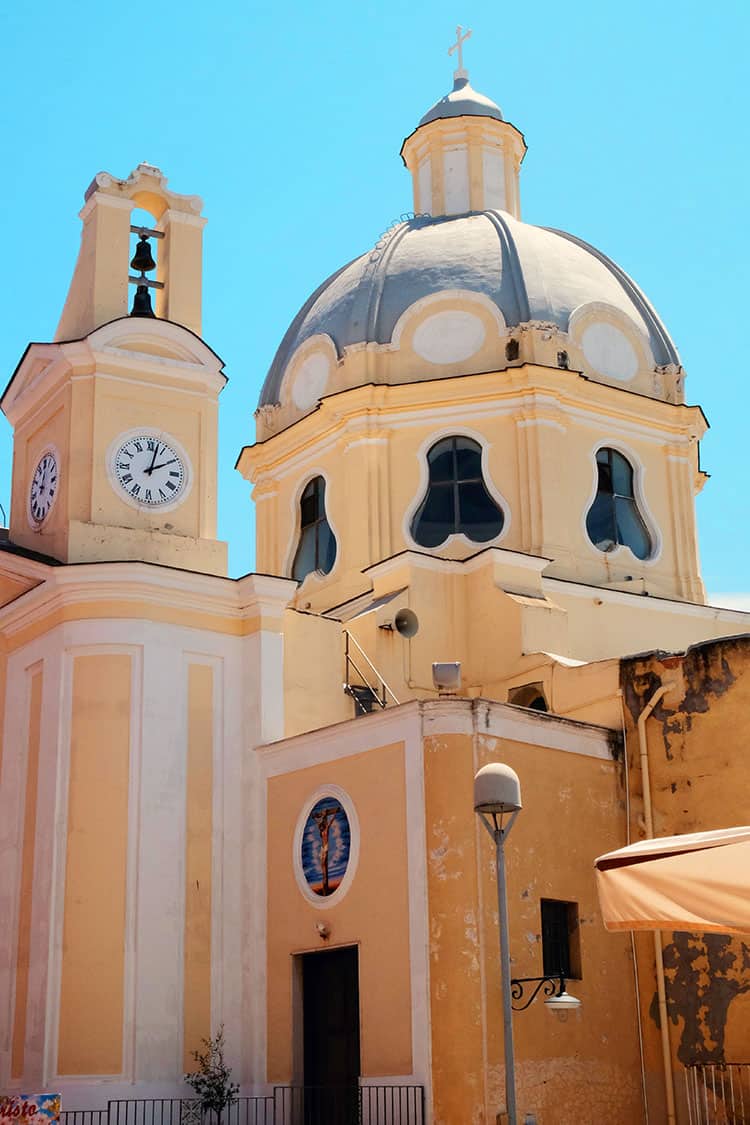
[{"x": 325, "y": 846}]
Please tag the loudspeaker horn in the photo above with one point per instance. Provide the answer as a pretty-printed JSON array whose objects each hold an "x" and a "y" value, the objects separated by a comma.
[{"x": 406, "y": 623}]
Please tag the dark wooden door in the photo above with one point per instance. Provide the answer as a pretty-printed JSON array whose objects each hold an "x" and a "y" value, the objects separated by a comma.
[{"x": 330, "y": 999}]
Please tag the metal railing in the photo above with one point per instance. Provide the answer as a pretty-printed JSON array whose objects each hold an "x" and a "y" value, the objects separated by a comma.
[
  {"x": 365, "y": 694},
  {"x": 349, "y": 1105},
  {"x": 84, "y": 1117},
  {"x": 172, "y": 1111},
  {"x": 287, "y": 1105},
  {"x": 718, "y": 1093}
]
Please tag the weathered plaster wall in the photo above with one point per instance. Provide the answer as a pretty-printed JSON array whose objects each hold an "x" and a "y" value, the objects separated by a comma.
[
  {"x": 697, "y": 747},
  {"x": 587, "y": 1067}
]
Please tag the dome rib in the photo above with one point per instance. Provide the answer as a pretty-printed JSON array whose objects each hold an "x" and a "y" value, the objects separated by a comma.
[
  {"x": 532, "y": 274},
  {"x": 508, "y": 244},
  {"x": 657, "y": 331},
  {"x": 368, "y": 298}
]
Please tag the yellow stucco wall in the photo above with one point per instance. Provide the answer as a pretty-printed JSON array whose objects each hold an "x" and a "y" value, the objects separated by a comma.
[
  {"x": 313, "y": 673},
  {"x": 49, "y": 427},
  {"x": 370, "y": 443},
  {"x": 373, "y": 914},
  {"x": 587, "y": 1068},
  {"x": 93, "y": 958},
  {"x": 35, "y": 683},
  {"x": 198, "y": 855},
  {"x": 81, "y": 400}
]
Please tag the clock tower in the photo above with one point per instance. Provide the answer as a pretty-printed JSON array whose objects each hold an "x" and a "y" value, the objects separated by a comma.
[{"x": 115, "y": 422}]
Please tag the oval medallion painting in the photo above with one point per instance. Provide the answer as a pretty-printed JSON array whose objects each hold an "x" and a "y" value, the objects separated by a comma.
[{"x": 326, "y": 843}]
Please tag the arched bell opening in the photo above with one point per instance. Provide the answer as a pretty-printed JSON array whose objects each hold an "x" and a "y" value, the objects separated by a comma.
[{"x": 143, "y": 258}]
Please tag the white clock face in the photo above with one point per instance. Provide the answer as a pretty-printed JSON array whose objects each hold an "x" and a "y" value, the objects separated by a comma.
[
  {"x": 150, "y": 471},
  {"x": 43, "y": 489}
]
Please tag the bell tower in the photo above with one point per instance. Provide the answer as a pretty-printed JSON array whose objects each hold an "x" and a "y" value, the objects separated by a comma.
[
  {"x": 99, "y": 289},
  {"x": 115, "y": 421}
]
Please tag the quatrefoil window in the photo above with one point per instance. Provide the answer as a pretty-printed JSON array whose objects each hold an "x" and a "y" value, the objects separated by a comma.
[
  {"x": 317, "y": 544},
  {"x": 613, "y": 519},
  {"x": 457, "y": 500}
]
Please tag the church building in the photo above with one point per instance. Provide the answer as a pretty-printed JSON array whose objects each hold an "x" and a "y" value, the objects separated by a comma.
[{"x": 248, "y": 802}]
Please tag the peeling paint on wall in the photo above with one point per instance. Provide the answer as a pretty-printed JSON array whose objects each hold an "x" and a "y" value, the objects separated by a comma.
[
  {"x": 704, "y": 974},
  {"x": 706, "y": 673},
  {"x": 697, "y": 747}
]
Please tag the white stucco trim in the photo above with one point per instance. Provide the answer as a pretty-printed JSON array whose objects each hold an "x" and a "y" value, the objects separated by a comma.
[
  {"x": 421, "y": 560},
  {"x": 320, "y": 343},
  {"x": 155, "y": 585},
  {"x": 319, "y": 901},
  {"x": 154, "y": 891},
  {"x": 424, "y": 307},
  {"x": 119, "y": 340},
  {"x": 111, "y": 351},
  {"x": 460, "y": 540},
  {"x": 623, "y": 553},
  {"x": 564, "y": 588},
  {"x": 599, "y": 312},
  {"x": 597, "y": 416},
  {"x": 516, "y": 724},
  {"x": 208, "y": 394}
]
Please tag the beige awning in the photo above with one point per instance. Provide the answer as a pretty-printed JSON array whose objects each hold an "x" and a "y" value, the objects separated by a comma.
[{"x": 700, "y": 881}]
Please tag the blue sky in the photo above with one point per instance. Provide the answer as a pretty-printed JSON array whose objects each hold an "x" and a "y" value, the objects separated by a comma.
[{"x": 288, "y": 122}]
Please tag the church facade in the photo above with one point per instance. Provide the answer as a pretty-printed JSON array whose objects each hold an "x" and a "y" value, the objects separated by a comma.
[{"x": 248, "y": 802}]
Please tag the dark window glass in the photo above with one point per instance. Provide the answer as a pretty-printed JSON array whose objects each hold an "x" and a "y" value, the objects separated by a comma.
[
  {"x": 317, "y": 544},
  {"x": 560, "y": 943},
  {"x": 468, "y": 459},
  {"x": 457, "y": 499},
  {"x": 441, "y": 462},
  {"x": 614, "y": 518}
]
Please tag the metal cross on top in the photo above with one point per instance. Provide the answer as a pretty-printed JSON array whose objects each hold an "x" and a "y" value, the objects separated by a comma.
[{"x": 458, "y": 46}]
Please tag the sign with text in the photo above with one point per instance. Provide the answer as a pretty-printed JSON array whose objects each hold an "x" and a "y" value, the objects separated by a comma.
[{"x": 29, "y": 1109}]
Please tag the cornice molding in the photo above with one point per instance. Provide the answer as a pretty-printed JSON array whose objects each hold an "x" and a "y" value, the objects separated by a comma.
[
  {"x": 109, "y": 351},
  {"x": 59, "y": 587},
  {"x": 435, "y": 717},
  {"x": 535, "y": 393}
]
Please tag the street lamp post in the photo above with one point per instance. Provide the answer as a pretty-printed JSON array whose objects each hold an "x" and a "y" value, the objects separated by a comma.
[{"x": 497, "y": 794}]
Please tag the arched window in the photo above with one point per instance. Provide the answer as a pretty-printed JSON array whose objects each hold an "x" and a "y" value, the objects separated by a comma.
[
  {"x": 529, "y": 695},
  {"x": 613, "y": 518},
  {"x": 317, "y": 543},
  {"x": 457, "y": 499}
]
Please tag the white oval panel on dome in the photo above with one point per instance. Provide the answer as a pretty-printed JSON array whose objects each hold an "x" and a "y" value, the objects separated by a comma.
[
  {"x": 310, "y": 380},
  {"x": 609, "y": 351},
  {"x": 448, "y": 337}
]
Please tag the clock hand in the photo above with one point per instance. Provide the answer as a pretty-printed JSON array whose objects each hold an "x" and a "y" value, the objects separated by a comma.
[
  {"x": 150, "y": 469},
  {"x": 162, "y": 464}
]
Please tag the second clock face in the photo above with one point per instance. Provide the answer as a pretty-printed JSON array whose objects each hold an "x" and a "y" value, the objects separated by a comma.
[{"x": 150, "y": 470}]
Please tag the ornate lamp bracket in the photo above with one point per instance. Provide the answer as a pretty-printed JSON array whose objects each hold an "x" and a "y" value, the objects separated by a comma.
[{"x": 548, "y": 986}]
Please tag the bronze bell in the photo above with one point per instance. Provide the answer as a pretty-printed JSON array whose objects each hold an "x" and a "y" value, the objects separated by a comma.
[
  {"x": 142, "y": 301},
  {"x": 142, "y": 259}
]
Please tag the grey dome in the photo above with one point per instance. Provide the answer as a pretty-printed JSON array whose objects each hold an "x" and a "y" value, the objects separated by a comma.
[
  {"x": 531, "y": 273},
  {"x": 463, "y": 100}
]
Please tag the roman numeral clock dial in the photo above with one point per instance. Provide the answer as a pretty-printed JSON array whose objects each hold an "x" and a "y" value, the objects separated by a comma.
[
  {"x": 43, "y": 489},
  {"x": 150, "y": 471}
]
